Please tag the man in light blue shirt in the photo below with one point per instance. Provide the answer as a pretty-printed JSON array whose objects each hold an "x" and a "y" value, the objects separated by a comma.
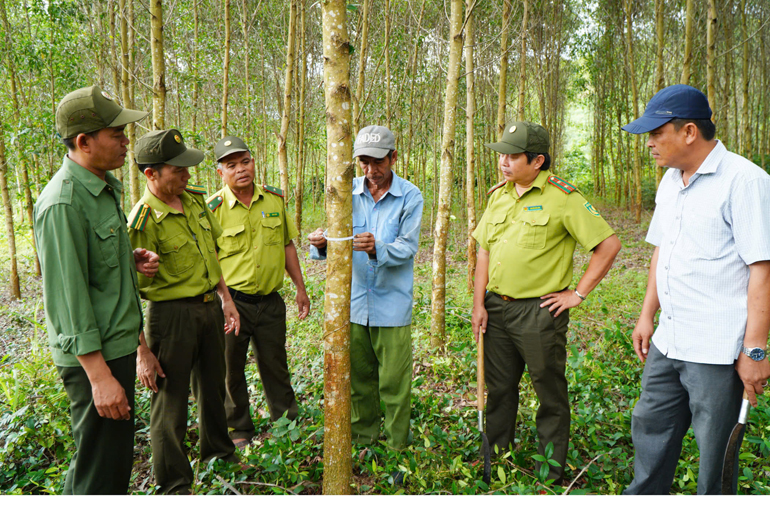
[{"x": 387, "y": 212}]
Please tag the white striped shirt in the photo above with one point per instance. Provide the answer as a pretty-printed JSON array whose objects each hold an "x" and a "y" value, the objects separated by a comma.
[{"x": 708, "y": 233}]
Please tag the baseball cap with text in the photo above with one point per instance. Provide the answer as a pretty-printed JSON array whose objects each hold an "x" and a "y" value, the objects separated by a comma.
[
  {"x": 91, "y": 109},
  {"x": 374, "y": 141},
  {"x": 521, "y": 137},
  {"x": 166, "y": 147}
]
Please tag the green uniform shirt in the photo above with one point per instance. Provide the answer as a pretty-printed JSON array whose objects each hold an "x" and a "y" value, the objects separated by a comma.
[
  {"x": 251, "y": 247},
  {"x": 531, "y": 238},
  {"x": 184, "y": 242},
  {"x": 89, "y": 273}
]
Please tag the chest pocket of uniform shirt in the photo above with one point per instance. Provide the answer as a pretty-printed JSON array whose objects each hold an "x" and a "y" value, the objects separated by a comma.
[
  {"x": 109, "y": 240},
  {"x": 232, "y": 241},
  {"x": 533, "y": 231},
  {"x": 207, "y": 237},
  {"x": 177, "y": 255},
  {"x": 495, "y": 227},
  {"x": 359, "y": 224},
  {"x": 272, "y": 232}
]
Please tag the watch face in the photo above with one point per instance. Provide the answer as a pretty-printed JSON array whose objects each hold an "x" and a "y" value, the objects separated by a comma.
[{"x": 757, "y": 354}]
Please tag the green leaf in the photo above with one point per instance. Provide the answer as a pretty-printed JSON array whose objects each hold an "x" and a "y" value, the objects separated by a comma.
[{"x": 501, "y": 474}]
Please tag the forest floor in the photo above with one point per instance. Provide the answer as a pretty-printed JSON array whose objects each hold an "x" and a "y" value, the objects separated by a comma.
[{"x": 287, "y": 456}]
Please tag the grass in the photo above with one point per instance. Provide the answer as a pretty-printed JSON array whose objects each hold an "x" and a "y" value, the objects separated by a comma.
[{"x": 287, "y": 458}]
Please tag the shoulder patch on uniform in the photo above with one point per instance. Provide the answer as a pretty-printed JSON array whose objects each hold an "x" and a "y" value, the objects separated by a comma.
[
  {"x": 195, "y": 189},
  {"x": 274, "y": 190},
  {"x": 214, "y": 202},
  {"x": 496, "y": 187},
  {"x": 591, "y": 209},
  {"x": 564, "y": 185},
  {"x": 138, "y": 218}
]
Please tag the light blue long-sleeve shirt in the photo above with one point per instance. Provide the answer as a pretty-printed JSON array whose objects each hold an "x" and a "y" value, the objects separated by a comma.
[{"x": 381, "y": 294}]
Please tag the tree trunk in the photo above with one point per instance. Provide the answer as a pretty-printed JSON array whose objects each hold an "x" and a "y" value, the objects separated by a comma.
[
  {"x": 226, "y": 67},
  {"x": 158, "y": 66},
  {"x": 246, "y": 73},
  {"x": 470, "y": 158},
  {"x": 660, "y": 81},
  {"x": 283, "y": 158},
  {"x": 8, "y": 205},
  {"x": 410, "y": 144},
  {"x": 687, "y": 61},
  {"x": 126, "y": 90},
  {"x": 635, "y": 101},
  {"x": 358, "y": 97},
  {"x": 388, "y": 113},
  {"x": 502, "y": 92},
  {"x": 711, "y": 30},
  {"x": 300, "y": 183},
  {"x": 339, "y": 162},
  {"x": 523, "y": 61},
  {"x": 745, "y": 139},
  {"x": 438, "y": 295}
]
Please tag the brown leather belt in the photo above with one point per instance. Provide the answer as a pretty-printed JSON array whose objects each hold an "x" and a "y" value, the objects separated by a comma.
[{"x": 505, "y": 297}]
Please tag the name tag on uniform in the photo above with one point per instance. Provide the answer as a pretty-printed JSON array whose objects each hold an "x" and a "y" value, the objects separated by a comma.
[
  {"x": 532, "y": 208},
  {"x": 271, "y": 214},
  {"x": 202, "y": 214}
]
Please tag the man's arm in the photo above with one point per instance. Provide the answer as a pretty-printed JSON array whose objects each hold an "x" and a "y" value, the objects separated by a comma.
[
  {"x": 645, "y": 325},
  {"x": 317, "y": 245},
  {"x": 600, "y": 263},
  {"x": 754, "y": 374},
  {"x": 480, "y": 281},
  {"x": 295, "y": 272},
  {"x": 232, "y": 318}
]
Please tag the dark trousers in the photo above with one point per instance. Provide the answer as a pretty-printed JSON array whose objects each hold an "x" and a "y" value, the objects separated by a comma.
[
  {"x": 263, "y": 324},
  {"x": 188, "y": 340},
  {"x": 520, "y": 333},
  {"x": 104, "y": 457},
  {"x": 676, "y": 393}
]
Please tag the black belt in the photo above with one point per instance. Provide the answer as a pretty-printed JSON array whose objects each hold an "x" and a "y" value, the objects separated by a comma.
[
  {"x": 245, "y": 297},
  {"x": 209, "y": 296}
]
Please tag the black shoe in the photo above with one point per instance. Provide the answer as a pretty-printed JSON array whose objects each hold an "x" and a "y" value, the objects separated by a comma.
[{"x": 398, "y": 478}]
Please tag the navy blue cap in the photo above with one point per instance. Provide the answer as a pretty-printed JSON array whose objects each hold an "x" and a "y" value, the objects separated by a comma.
[{"x": 673, "y": 102}]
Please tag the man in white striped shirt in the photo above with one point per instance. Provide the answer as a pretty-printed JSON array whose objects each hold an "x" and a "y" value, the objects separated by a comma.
[{"x": 710, "y": 277}]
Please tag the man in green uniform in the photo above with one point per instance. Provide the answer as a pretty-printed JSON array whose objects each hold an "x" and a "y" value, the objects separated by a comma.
[
  {"x": 184, "y": 320},
  {"x": 254, "y": 249},
  {"x": 92, "y": 305},
  {"x": 522, "y": 298}
]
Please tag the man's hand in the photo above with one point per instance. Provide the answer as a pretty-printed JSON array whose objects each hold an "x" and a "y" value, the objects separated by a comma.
[
  {"x": 232, "y": 318},
  {"x": 303, "y": 304},
  {"x": 364, "y": 242},
  {"x": 641, "y": 337},
  {"x": 560, "y": 301},
  {"x": 317, "y": 239},
  {"x": 147, "y": 366},
  {"x": 110, "y": 399},
  {"x": 753, "y": 374},
  {"x": 146, "y": 262},
  {"x": 479, "y": 320}
]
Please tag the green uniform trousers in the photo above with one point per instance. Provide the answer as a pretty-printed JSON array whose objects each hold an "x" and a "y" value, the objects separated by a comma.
[
  {"x": 520, "y": 333},
  {"x": 263, "y": 324},
  {"x": 188, "y": 340},
  {"x": 105, "y": 447},
  {"x": 380, "y": 370}
]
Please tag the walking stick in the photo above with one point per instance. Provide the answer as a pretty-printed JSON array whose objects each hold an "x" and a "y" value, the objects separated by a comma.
[{"x": 485, "y": 453}]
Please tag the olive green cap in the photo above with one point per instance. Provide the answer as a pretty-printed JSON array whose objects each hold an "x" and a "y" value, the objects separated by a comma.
[
  {"x": 91, "y": 109},
  {"x": 166, "y": 147},
  {"x": 520, "y": 137},
  {"x": 228, "y": 146}
]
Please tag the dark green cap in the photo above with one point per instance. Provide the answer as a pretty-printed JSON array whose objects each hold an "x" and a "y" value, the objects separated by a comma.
[
  {"x": 91, "y": 109},
  {"x": 166, "y": 147},
  {"x": 228, "y": 146},
  {"x": 520, "y": 137}
]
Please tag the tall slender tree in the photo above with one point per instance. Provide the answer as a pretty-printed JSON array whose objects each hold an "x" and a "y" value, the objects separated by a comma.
[
  {"x": 225, "y": 66},
  {"x": 470, "y": 157},
  {"x": 283, "y": 157},
  {"x": 9, "y": 230},
  {"x": 158, "y": 66}
]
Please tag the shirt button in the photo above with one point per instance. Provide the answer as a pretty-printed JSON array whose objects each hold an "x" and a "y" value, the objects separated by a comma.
[
  {"x": 255, "y": 247},
  {"x": 669, "y": 318},
  {"x": 663, "y": 292},
  {"x": 253, "y": 229},
  {"x": 672, "y": 242},
  {"x": 504, "y": 241},
  {"x": 665, "y": 267},
  {"x": 498, "y": 264},
  {"x": 258, "y": 266}
]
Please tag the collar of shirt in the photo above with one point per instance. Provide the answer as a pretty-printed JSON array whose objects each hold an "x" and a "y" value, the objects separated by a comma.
[
  {"x": 539, "y": 183},
  {"x": 160, "y": 209},
  {"x": 708, "y": 166},
  {"x": 90, "y": 181},
  {"x": 396, "y": 188},
  {"x": 230, "y": 198}
]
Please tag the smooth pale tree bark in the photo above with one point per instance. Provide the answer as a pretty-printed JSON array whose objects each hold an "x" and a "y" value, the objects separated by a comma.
[
  {"x": 9, "y": 231},
  {"x": 745, "y": 140},
  {"x": 660, "y": 83},
  {"x": 502, "y": 92},
  {"x": 300, "y": 183},
  {"x": 339, "y": 163},
  {"x": 264, "y": 114},
  {"x": 523, "y": 62},
  {"x": 246, "y": 71},
  {"x": 635, "y": 100},
  {"x": 438, "y": 294},
  {"x": 113, "y": 52},
  {"x": 711, "y": 42},
  {"x": 283, "y": 157},
  {"x": 388, "y": 112},
  {"x": 470, "y": 157},
  {"x": 413, "y": 81},
  {"x": 158, "y": 66},
  {"x": 688, "y": 28},
  {"x": 362, "y": 51},
  {"x": 226, "y": 66},
  {"x": 126, "y": 90}
]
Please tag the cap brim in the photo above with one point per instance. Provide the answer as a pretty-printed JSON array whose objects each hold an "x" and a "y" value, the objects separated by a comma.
[
  {"x": 127, "y": 117},
  {"x": 645, "y": 124},
  {"x": 375, "y": 152},
  {"x": 505, "y": 148},
  {"x": 231, "y": 151},
  {"x": 189, "y": 158}
]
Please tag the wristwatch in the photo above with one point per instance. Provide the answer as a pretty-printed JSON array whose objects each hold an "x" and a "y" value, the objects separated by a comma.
[{"x": 755, "y": 353}]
